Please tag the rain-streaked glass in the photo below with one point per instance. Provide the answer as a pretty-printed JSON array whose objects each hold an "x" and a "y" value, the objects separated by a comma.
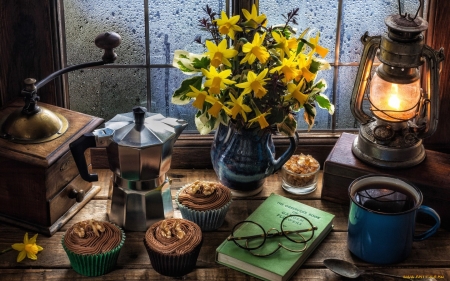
[
  {"x": 107, "y": 92},
  {"x": 84, "y": 20},
  {"x": 172, "y": 25}
]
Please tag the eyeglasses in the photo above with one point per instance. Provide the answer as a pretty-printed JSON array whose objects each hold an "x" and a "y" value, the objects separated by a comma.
[{"x": 255, "y": 237}]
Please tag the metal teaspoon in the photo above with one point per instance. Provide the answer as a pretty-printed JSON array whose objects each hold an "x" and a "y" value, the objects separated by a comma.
[{"x": 349, "y": 270}]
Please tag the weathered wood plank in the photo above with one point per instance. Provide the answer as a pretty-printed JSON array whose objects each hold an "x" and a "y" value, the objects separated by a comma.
[
  {"x": 208, "y": 274},
  {"x": 429, "y": 253}
]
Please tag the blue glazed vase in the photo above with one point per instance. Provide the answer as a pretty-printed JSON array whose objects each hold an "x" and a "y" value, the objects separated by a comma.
[{"x": 243, "y": 159}]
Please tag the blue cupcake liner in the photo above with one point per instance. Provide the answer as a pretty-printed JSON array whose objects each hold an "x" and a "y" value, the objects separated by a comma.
[
  {"x": 207, "y": 220},
  {"x": 94, "y": 265}
]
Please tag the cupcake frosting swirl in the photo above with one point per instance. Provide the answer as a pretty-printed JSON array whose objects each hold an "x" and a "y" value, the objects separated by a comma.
[
  {"x": 173, "y": 236},
  {"x": 92, "y": 237},
  {"x": 204, "y": 195}
]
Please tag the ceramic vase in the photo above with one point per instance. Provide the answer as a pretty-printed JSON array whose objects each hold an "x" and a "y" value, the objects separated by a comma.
[{"x": 242, "y": 159}]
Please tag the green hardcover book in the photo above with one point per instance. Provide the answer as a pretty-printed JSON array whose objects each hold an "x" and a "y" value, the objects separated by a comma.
[{"x": 282, "y": 264}]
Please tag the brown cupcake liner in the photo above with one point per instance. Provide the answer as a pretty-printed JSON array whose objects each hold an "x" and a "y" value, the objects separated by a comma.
[{"x": 173, "y": 265}]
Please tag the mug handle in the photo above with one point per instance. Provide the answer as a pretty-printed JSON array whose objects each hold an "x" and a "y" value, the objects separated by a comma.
[{"x": 427, "y": 210}]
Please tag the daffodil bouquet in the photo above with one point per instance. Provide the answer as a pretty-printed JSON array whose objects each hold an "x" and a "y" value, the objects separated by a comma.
[{"x": 252, "y": 74}]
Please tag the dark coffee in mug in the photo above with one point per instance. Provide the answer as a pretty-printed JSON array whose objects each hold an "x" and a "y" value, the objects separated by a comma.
[
  {"x": 385, "y": 198},
  {"x": 382, "y": 218}
]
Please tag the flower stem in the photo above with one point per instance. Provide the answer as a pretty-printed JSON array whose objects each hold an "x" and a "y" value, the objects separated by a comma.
[{"x": 5, "y": 250}]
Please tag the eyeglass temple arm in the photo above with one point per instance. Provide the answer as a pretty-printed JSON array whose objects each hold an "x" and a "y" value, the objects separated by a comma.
[{"x": 234, "y": 238}]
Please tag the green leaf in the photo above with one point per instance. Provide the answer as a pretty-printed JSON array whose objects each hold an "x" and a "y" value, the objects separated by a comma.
[
  {"x": 315, "y": 66},
  {"x": 179, "y": 96},
  {"x": 288, "y": 126},
  {"x": 325, "y": 103},
  {"x": 309, "y": 109},
  {"x": 183, "y": 68},
  {"x": 202, "y": 63},
  {"x": 309, "y": 115}
]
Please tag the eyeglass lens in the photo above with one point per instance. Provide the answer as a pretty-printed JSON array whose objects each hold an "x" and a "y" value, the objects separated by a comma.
[{"x": 294, "y": 229}]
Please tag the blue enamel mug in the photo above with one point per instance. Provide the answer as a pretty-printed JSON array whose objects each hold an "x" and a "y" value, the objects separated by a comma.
[{"x": 382, "y": 218}]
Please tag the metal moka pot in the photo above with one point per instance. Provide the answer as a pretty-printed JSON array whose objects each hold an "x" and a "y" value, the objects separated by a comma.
[{"x": 139, "y": 146}]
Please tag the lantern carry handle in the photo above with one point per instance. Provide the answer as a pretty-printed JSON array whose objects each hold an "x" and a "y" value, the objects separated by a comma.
[
  {"x": 371, "y": 45},
  {"x": 433, "y": 60}
]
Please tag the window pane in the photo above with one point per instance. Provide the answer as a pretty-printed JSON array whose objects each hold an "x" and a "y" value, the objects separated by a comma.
[
  {"x": 106, "y": 92},
  {"x": 361, "y": 16},
  {"x": 317, "y": 15},
  {"x": 174, "y": 25},
  {"x": 84, "y": 20},
  {"x": 164, "y": 82}
]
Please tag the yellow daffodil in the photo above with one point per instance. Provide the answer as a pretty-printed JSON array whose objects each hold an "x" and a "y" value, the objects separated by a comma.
[
  {"x": 219, "y": 53},
  {"x": 303, "y": 63},
  {"x": 322, "y": 51},
  {"x": 217, "y": 106},
  {"x": 261, "y": 118},
  {"x": 255, "y": 83},
  {"x": 295, "y": 91},
  {"x": 28, "y": 248},
  {"x": 238, "y": 107},
  {"x": 217, "y": 81},
  {"x": 288, "y": 67},
  {"x": 284, "y": 45},
  {"x": 308, "y": 75},
  {"x": 199, "y": 96},
  {"x": 253, "y": 19},
  {"x": 227, "y": 26},
  {"x": 255, "y": 50}
]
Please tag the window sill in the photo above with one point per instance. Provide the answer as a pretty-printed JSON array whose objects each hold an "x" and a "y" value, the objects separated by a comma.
[{"x": 192, "y": 151}]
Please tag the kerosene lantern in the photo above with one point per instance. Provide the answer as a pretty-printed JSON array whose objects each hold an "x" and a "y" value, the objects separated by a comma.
[
  {"x": 404, "y": 104},
  {"x": 41, "y": 188}
]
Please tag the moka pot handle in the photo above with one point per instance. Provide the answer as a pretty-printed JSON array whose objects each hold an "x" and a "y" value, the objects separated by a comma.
[{"x": 78, "y": 148}]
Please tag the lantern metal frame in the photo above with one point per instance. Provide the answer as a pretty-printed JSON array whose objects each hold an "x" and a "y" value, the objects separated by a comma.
[{"x": 402, "y": 52}]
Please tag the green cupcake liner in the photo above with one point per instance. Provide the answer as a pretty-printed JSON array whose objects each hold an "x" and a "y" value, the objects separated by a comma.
[{"x": 94, "y": 265}]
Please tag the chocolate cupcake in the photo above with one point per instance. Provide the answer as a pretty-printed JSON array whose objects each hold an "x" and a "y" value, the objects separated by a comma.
[
  {"x": 173, "y": 246},
  {"x": 205, "y": 203},
  {"x": 93, "y": 246}
]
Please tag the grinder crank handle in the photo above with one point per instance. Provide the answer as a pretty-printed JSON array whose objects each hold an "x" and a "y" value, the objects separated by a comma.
[{"x": 78, "y": 148}]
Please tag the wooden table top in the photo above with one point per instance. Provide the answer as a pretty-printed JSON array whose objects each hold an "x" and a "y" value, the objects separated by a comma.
[{"x": 430, "y": 257}]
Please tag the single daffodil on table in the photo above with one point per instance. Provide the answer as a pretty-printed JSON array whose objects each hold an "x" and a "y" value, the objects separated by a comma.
[
  {"x": 219, "y": 53},
  {"x": 255, "y": 50},
  {"x": 28, "y": 248},
  {"x": 255, "y": 83},
  {"x": 227, "y": 26},
  {"x": 217, "y": 81}
]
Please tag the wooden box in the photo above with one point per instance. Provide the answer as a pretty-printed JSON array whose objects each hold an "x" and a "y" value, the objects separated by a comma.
[
  {"x": 36, "y": 179},
  {"x": 432, "y": 177}
]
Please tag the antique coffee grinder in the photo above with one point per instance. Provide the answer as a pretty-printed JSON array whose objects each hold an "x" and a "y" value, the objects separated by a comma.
[
  {"x": 139, "y": 146},
  {"x": 41, "y": 188}
]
